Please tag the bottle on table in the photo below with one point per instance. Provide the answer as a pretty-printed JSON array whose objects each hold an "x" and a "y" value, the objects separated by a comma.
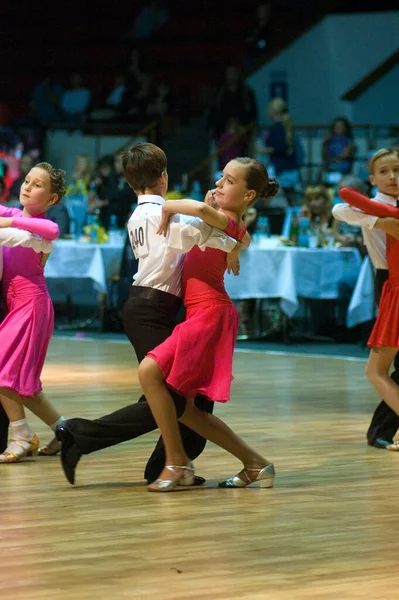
[
  {"x": 303, "y": 232},
  {"x": 294, "y": 230}
]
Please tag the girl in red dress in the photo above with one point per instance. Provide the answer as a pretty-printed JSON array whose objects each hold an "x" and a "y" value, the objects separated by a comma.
[
  {"x": 197, "y": 357},
  {"x": 384, "y": 339}
]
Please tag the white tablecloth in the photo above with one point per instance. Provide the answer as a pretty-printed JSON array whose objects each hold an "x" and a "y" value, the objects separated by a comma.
[
  {"x": 79, "y": 267},
  {"x": 362, "y": 306},
  {"x": 289, "y": 273}
]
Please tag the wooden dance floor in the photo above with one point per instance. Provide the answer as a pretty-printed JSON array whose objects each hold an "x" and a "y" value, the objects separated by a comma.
[{"x": 328, "y": 529}]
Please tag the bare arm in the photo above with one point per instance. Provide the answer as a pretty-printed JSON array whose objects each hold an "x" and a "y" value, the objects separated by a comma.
[
  {"x": 192, "y": 208},
  {"x": 233, "y": 258}
]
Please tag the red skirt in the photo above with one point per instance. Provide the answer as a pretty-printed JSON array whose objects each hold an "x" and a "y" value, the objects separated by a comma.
[
  {"x": 386, "y": 329},
  {"x": 198, "y": 357}
]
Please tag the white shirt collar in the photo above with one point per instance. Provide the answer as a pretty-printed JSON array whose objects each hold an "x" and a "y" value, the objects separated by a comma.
[
  {"x": 385, "y": 198},
  {"x": 150, "y": 198}
]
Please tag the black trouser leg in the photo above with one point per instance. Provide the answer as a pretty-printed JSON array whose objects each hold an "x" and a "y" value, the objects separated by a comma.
[
  {"x": 4, "y": 422},
  {"x": 193, "y": 443},
  {"x": 147, "y": 322},
  {"x": 385, "y": 422}
]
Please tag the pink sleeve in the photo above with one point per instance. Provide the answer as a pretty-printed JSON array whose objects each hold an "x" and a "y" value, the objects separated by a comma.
[
  {"x": 8, "y": 211},
  {"x": 233, "y": 229},
  {"x": 47, "y": 229},
  {"x": 370, "y": 207}
]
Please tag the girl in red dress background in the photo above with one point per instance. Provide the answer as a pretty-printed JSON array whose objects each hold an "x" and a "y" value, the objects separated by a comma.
[{"x": 384, "y": 338}]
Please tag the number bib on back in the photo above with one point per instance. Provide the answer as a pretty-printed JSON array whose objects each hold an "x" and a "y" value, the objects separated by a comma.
[{"x": 138, "y": 234}]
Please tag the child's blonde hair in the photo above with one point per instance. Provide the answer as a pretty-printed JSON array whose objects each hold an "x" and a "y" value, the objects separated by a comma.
[
  {"x": 317, "y": 191},
  {"x": 380, "y": 154}
]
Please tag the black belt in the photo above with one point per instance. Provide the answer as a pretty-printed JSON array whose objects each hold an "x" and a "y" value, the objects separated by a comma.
[{"x": 170, "y": 301}]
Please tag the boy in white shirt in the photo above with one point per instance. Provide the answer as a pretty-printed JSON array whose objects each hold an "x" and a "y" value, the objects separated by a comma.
[
  {"x": 150, "y": 313},
  {"x": 384, "y": 174}
]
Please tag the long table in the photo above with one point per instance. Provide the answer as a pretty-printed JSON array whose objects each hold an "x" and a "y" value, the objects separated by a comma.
[
  {"x": 270, "y": 270},
  {"x": 82, "y": 269}
]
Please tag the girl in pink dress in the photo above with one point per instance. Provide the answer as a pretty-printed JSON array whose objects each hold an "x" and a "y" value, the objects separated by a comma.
[
  {"x": 384, "y": 339},
  {"x": 197, "y": 357},
  {"x": 27, "y": 328}
]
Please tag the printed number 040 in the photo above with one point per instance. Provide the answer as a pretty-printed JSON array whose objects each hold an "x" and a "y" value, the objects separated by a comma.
[{"x": 138, "y": 237}]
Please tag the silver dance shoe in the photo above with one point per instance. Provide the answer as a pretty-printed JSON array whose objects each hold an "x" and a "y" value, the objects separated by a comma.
[
  {"x": 264, "y": 479},
  {"x": 168, "y": 485}
]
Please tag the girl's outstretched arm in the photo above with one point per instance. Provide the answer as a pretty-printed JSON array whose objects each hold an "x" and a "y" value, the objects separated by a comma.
[
  {"x": 47, "y": 229},
  {"x": 378, "y": 209}
]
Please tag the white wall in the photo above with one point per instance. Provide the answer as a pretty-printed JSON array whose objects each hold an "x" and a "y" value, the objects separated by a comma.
[
  {"x": 327, "y": 61},
  {"x": 380, "y": 103}
]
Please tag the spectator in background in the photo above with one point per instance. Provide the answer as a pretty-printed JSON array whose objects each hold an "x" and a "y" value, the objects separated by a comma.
[
  {"x": 104, "y": 181},
  {"x": 121, "y": 197},
  {"x": 318, "y": 207},
  {"x": 82, "y": 176},
  {"x": 162, "y": 103},
  {"x": 281, "y": 145},
  {"x": 80, "y": 192},
  {"x": 229, "y": 144},
  {"x": 279, "y": 141},
  {"x": 46, "y": 101},
  {"x": 235, "y": 100},
  {"x": 25, "y": 165},
  {"x": 75, "y": 100},
  {"x": 111, "y": 109},
  {"x": 113, "y": 194},
  {"x": 257, "y": 42},
  {"x": 135, "y": 103},
  {"x": 338, "y": 148},
  {"x": 152, "y": 16},
  {"x": 114, "y": 98}
]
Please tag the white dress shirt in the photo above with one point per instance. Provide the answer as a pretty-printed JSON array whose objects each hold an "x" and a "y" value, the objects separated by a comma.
[
  {"x": 161, "y": 258},
  {"x": 375, "y": 239},
  {"x": 10, "y": 236}
]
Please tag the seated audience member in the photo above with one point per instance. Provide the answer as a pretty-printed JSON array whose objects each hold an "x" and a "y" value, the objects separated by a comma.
[
  {"x": 76, "y": 99},
  {"x": 112, "y": 107},
  {"x": 338, "y": 148},
  {"x": 46, "y": 101},
  {"x": 318, "y": 207},
  {"x": 135, "y": 102}
]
